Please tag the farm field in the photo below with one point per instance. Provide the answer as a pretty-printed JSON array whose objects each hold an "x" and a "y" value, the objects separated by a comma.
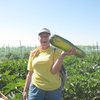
[{"x": 83, "y": 76}]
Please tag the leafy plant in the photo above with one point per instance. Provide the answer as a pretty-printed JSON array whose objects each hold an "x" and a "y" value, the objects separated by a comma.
[{"x": 83, "y": 77}]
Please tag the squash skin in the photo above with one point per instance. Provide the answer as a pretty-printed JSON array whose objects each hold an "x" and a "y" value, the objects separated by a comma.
[{"x": 65, "y": 45}]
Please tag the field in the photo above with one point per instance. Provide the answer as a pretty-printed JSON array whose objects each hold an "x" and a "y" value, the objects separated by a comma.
[{"x": 83, "y": 75}]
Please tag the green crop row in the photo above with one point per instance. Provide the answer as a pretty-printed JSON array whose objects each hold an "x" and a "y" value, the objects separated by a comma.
[{"x": 83, "y": 77}]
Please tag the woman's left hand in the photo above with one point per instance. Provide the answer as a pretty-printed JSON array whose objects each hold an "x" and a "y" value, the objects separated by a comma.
[{"x": 69, "y": 52}]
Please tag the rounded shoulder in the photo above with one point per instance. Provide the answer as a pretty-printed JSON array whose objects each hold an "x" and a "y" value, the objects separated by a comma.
[
  {"x": 34, "y": 52},
  {"x": 56, "y": 50}
]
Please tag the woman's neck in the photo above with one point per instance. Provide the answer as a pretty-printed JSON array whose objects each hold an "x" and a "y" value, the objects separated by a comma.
[{"x": 44, "y": 47}]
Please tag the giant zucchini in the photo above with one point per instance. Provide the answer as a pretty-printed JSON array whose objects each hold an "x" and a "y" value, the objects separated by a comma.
[{"x": 65, "y": 45}]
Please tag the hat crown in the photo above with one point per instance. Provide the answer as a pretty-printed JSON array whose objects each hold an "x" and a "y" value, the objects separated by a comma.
[{"x": 44, "y": 30}]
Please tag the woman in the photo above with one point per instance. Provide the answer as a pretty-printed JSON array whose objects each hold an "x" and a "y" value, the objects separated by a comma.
[{"x": 43, "y": 80}]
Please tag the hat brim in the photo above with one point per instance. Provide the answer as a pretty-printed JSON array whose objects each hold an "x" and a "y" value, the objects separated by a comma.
[{"x": 44, "y": 32}]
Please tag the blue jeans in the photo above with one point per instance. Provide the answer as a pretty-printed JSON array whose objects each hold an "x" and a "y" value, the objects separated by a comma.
[{"x": 38, "y": 94}]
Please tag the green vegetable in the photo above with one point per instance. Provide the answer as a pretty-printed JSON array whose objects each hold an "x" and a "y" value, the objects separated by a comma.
[{"x": 65, "y": 45}]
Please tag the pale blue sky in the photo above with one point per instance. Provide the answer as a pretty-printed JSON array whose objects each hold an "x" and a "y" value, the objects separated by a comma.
[{"x": 76, "y": 20}]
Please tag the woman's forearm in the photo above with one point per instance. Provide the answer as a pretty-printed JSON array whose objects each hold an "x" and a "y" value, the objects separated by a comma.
[
  {"x": 28, "y": 80},
  {"x": 57, "y": 65}
]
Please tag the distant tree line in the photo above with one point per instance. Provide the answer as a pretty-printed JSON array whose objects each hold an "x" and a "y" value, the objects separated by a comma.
[{"x": 14, "y": 52}]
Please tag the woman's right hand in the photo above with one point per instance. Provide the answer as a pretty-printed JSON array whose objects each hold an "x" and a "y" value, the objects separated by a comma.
[{"x": 25, "y": 95}]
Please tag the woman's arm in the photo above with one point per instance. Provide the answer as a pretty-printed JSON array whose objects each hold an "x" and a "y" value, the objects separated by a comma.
[
  {"x": 57, "y": 65},
  {"x": 33, "y": 53},
  {"x": 27, "y": 83}
]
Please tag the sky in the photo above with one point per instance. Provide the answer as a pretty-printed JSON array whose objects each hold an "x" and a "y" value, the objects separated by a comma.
[{"x": 76, "y": 20}]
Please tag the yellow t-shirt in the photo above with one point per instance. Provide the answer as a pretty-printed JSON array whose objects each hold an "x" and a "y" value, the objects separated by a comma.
[{"x": 41, "y": 66}]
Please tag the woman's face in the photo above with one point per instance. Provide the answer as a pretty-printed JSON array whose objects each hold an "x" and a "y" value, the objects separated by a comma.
[{"x": 44, "y": 39}]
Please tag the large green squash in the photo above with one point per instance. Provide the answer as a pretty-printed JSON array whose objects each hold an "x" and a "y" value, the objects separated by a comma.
[{"x": 65, "y": 45}]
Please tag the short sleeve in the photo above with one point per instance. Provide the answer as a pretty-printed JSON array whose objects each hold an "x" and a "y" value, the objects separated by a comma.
[
  {"x": 57, "y": 53},
  {"x": 29, "y": 66}
]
